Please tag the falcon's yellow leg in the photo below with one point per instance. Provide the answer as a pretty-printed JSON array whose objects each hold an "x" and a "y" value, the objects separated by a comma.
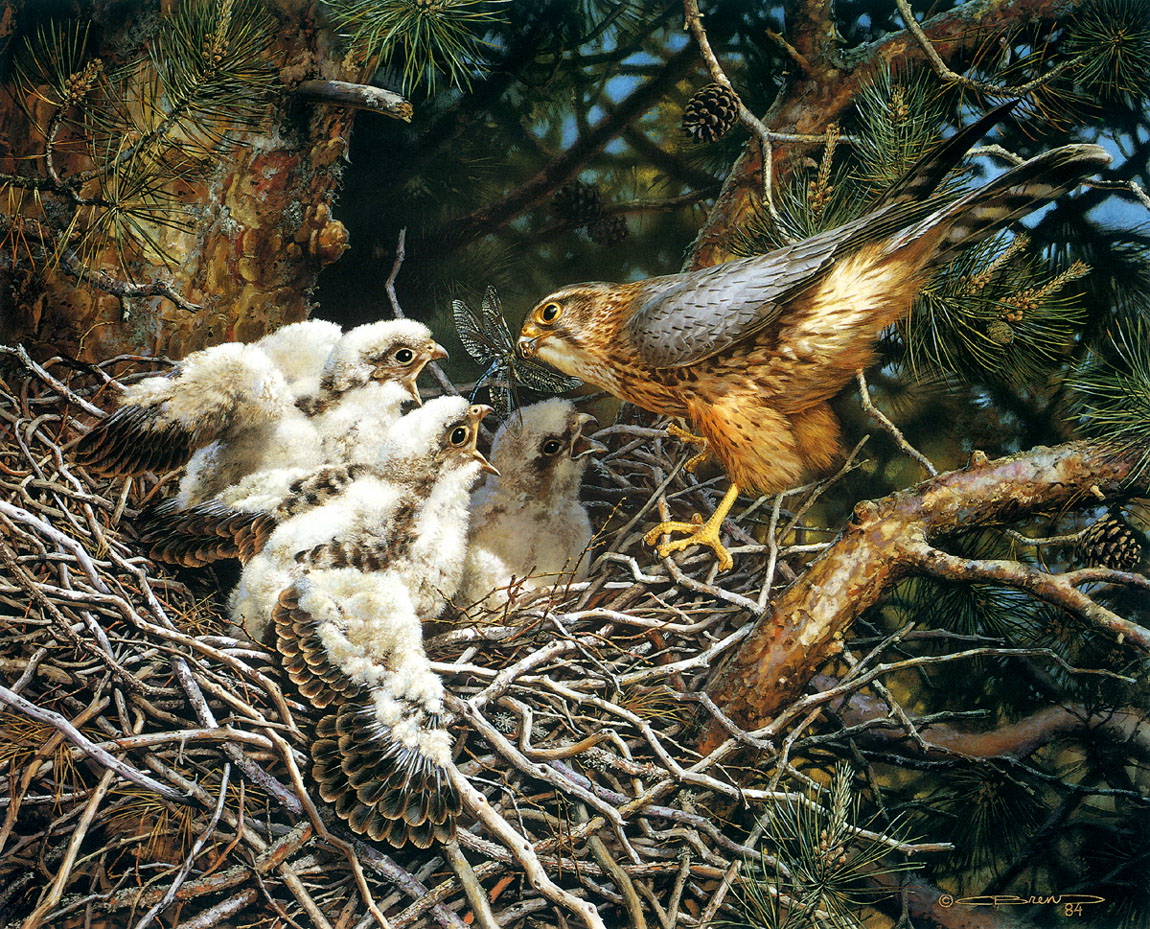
[
  {"x": 691, "y": 439},
  {"x": 700, "y": 533}
]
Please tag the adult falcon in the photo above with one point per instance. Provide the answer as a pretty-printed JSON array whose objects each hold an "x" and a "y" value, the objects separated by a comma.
[{"x": 751, "y": 351}]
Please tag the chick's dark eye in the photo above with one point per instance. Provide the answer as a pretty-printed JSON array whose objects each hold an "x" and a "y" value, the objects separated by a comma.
[
  {"x": 552, "y": 447},
  {"x": 549, "y": 312},
  {"x": 405, "y": 356},
  {"x": 458, "y": 436}
]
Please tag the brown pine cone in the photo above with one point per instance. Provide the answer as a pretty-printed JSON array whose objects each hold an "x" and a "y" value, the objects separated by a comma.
[{"x": 710, "y": 113}]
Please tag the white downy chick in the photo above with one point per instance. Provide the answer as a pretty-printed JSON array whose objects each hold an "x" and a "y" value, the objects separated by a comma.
[
  {"x": 528, "y": 528},
  {"x": 232, "y": 410},
  {"x": 346, "y": 586},
  {"x": 365, "y": 382},
  {"x": 404, "y": 513}
]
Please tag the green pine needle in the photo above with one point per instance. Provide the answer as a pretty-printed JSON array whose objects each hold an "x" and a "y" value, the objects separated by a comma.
[
  {"x": 995, "y": 314},
  {"x": 825, "y": 868},
  {"x": 1112, "y": 392},
  {"x": 1113, "y": 38},
  {"x": 424, "y": 39}
]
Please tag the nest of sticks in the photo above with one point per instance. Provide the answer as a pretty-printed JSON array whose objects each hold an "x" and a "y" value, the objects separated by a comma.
[{"x": 154, "y": 772}]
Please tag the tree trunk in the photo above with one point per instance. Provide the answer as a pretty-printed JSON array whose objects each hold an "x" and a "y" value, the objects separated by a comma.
[{"x": 261, "y": 231}]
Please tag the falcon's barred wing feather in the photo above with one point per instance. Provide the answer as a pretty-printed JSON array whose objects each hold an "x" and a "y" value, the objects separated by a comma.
[
  {"x": 925, "y": 176},
  {"x": 205, "y": 533},
  {"x": 351, "y": 642},
  {"x": 1009, "y": 196},
  {"x": 690, "y": 318},
  {"x": 239, "y": 524}
]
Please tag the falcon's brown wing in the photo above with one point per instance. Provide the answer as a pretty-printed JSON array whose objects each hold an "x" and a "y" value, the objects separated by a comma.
[{"x": 687, "y": 318}]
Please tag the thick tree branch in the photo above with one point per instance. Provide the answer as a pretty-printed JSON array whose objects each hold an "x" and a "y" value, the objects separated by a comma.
[{"x": 885, "y": 543}]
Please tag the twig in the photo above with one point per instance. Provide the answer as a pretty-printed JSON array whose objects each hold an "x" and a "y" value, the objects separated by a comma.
[
  {"x": 87, "y": 746},
  {"x": 522, "y": 851},
  {"x": 943, "y": 70},
  {"x": 694, "y": 22},
  {"x": 891, "y": 428},
  {"x": 356, "y": 96}
]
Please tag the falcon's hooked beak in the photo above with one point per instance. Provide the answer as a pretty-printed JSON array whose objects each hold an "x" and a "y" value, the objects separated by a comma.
[
  {"x": 583, "y": 444},
  {"x": 433, "y": 352},
  {"x": 528, "y": 343},
  {"x": 475, "y": 414}
]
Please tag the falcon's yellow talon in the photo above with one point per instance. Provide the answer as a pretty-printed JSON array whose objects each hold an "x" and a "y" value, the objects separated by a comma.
[
  {"x": 674, "y": 429},
  {"x": 698, "y": 532}
]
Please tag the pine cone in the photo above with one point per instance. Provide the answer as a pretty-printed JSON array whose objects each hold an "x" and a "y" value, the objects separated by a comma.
[
  {"x": 1110, "y": 543},
  {"x": 710, "y": 113},
  {"x": 608, "y": 230},
  {"x": 578, "y": 203}
]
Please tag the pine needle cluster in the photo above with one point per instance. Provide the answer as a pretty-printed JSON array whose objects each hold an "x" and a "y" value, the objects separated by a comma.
[
  {"x": 1112, "y": 390},
  {"x": 426, "y": 41},
  {"x": 821, "y": 858}
]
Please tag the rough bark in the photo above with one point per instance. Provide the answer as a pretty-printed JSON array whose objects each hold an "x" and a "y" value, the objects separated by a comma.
[
  {"x": 263, "y": 232},
  {"x": 888, "y": 539}
]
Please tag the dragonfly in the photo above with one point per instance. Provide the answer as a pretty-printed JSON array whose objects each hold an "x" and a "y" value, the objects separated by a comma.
[{"x": 488, "y": 340}]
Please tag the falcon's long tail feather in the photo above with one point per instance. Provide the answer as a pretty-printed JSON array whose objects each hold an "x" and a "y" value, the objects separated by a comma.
[
  {"x": 925, "y": 176},
  {"x": 1010, "y": 196}
]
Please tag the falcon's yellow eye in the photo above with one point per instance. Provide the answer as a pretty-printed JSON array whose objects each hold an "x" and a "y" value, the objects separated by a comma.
[
  {"x": 405, "y": 356},
  {"x": 548, "y": 313},
  {"x": 459, "y": 436},
  {"x": 552, "y": 447}
]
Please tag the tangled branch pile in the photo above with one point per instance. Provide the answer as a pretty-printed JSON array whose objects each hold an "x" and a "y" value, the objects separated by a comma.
[{"x": 155, "y": 771}]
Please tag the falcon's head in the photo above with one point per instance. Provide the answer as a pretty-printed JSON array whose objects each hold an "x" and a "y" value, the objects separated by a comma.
[
  {"x": 574, "y": 326},
  {"x": 542, "y": 451},
  {"x": 438, "y": 437},
  {"x": 394, "y": 350}
]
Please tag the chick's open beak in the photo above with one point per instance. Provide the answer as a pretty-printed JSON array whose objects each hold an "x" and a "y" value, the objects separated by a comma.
[
  {"x": 475, "y": 414},
  {"x": 431, "y": 352},
  {"x": 583, "y": 444}
]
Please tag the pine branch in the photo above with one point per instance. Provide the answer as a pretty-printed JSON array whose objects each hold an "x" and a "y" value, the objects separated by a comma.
[{"x": 887, "y": 542}]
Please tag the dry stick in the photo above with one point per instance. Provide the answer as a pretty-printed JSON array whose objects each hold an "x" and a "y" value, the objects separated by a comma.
[
  {"x": 389, "y": 287},
  {"x": 189, "y": 862},
  {"x": 522, "y": 851},
  {"x": 476, "y": 896},
  {"x": 356, "y": 96},
  {"x": 78, "y": 834},
  {"x": 943, "y": 70},
  {"x": 890, "y": 427},
  {"x": 215, "y": 915},
  {"x": 88, "y": 747},
  {"x": 618, "y": 876},
  {"x": 322, "y": 830}
]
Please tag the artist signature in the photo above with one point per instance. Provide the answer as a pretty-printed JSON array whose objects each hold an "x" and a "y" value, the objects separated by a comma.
[{"x": 1070, "y": 904}]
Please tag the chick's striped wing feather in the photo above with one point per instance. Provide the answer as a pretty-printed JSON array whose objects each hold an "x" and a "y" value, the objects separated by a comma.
[{"x": 382, "y": 789}]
